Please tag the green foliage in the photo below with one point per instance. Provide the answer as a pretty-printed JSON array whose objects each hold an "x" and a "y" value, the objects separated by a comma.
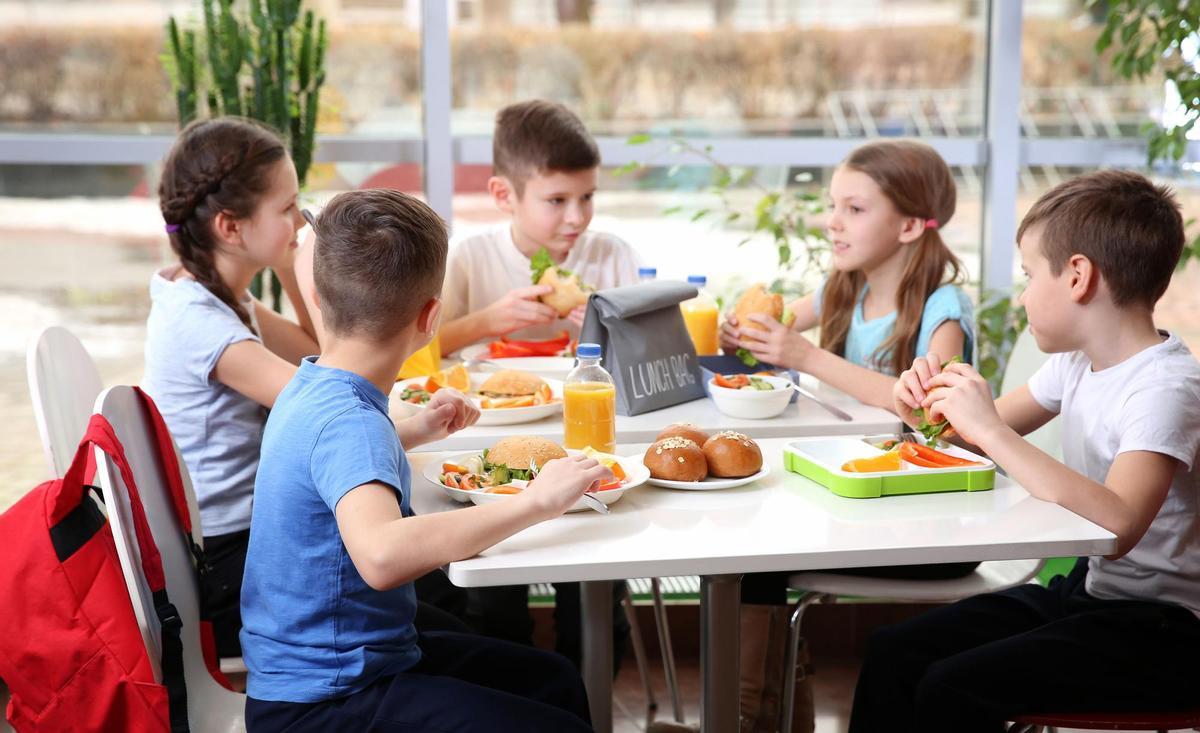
[
  {"x": 1151, "y": 38},
  {"x": 999, "y": 319},
  {"x": 268, "y": 66}
]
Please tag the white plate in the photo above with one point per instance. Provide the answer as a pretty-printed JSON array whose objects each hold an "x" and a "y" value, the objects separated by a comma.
[
  {"x": 635, "y": 475},
  {"x": 710, "y": 484},
  {"x": 556, "y": 367},
  {"x": 500, "y": 416}
]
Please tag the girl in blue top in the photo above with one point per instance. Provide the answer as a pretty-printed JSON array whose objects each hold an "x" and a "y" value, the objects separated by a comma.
[{"x": 892, "y": 296}]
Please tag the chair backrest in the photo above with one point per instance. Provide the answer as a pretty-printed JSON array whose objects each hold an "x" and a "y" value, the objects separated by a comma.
[
  {"x": 1026, "y": 359},
  {"x": 63, "y": 384},
  {"x": 211, "y": 707}
]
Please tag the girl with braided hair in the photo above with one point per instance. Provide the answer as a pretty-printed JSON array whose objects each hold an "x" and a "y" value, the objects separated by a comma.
[{"x": 216, "y": 358}]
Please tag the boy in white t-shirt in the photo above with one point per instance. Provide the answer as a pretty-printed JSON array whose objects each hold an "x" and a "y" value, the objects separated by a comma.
[
  {"x": 1120, "y": 633},
  {"x": 546, "y": 165}
]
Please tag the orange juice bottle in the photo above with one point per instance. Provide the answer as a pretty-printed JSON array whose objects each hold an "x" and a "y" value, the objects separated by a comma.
[
  {"x": 424, "y": 361},
  {"x": 700, "y": 317},
  {"x": 589, "y": 404}
]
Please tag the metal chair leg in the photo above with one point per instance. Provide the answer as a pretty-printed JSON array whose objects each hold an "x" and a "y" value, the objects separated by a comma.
[
  {"x": 789, "y": 665},
  {"x": 639, "y": 652},
  {"x": 668, "y": 654}
]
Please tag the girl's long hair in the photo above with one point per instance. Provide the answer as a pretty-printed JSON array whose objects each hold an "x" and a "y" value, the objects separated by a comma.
[
  {"x": 220, "y": 165},
  {"x": 918, "y": 183}
]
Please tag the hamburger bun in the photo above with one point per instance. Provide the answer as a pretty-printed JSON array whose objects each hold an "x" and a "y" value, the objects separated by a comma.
[
  {"x": 684, "y": 430},
  {"x": 732, "y": 455},
  {"x": 758, "y": 300},
  {"x": 517, "y": 451},
  {"x": 511, "y": 383},
  {"x": 676, "y": 459},
  {"x": 568, "y": 291}
]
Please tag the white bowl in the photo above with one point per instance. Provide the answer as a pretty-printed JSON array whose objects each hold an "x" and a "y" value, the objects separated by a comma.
[{"x": 752, "y": 404}]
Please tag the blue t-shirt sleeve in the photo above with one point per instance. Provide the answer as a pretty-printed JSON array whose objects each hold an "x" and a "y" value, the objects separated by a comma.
[
  {"x": 204, "y": 328},
  {"x": 948, "y": 303},
  {"x": 818, "y": 296},
  {"x": 356, "y": 447}
]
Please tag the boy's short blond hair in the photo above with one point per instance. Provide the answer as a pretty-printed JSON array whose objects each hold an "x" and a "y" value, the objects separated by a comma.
[
  {"x": 1130, "y": 229},
  {"x": 540, "y": 137},
  {"x": 380, "y": 256}
]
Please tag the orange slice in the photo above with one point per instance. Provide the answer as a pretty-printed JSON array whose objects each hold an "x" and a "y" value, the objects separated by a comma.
[
  {"x": 889, "y": 461},
  {"x": 455, "y": 377}
]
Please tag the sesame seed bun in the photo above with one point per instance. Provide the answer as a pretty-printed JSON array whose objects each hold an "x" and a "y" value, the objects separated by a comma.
[
  {"x": 511, "y": 383},
  {"x": 684, "y": 430},
  {"x": 516, "y": 452},
  {"x": 758, "y": 300},
  {"x": 732, "y": 455},
  {"x": 676, "y": 459}
]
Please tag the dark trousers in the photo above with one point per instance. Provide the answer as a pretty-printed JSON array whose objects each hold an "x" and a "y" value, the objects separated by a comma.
[
  {"x": 770, "y": 589},
  {"x": 502, "y": 612},
  {"x": 969, "y": 666},
  {"x": 463, "y": 684}
]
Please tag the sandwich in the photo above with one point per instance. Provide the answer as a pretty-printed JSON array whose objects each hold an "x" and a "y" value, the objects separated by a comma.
[
  {"x": 509, "y": 388},
  {"x": 518, "y": 457},
  {"x": 757, "y": 300},
  {"x": 569, "y": 291}
]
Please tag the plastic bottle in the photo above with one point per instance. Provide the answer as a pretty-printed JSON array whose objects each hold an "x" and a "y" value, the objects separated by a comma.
[
  {"x": 700, "y": 316},
  {"x": 589, "y": 404},
  {"x": 646, "y": 274}
]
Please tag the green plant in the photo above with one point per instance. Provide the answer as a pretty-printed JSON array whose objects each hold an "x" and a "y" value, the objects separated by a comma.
[
  {"x": 1159, "y": 37},
  {"x": 783, "y": 215},
  {"x": 268, "y": 65},
  {"x": 999, "y": 320}
]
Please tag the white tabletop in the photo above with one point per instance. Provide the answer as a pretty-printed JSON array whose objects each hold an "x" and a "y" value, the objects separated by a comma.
[
  {"x": 802, "y": 418},
  {"x": 782, "y": 523}
]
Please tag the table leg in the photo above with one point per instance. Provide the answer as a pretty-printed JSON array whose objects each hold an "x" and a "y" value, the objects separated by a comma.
[
  {"x": 596, "y": 597},
  {"x": 720, "y": 598}
]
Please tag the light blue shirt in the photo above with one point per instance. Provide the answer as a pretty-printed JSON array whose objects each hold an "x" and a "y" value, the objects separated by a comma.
[
  {"x": 218, "y": 429},
  {"x": 312, "y": 629},
  {"x": 947, "y": 303}
]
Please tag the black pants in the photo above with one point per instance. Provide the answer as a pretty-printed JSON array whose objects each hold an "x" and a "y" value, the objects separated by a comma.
[
  {"x": 463, "y": 683},
  {"x": 502, "y": 612},
  {"x": 440, "y": 605},
  {"x": 969, "y": 666},
  {"x": 770, "y": 589}
]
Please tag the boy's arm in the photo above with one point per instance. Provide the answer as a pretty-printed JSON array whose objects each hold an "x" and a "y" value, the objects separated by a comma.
[
  {"x": 1125, "y": 504},
  {"x": 389, "y": 550},
  {"x": 518, "y": 309}
]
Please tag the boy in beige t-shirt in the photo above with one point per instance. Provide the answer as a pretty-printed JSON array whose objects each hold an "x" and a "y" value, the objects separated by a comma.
[{"x": 546, "y": 167}]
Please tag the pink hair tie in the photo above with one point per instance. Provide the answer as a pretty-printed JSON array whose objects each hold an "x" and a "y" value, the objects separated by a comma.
[
  {"x": 171, "y": 228},
  {"x": 931, "y": 224}
]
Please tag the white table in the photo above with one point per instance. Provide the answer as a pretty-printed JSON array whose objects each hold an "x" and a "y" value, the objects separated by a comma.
[
  {"x": 801, "y": 419},
  {"x": 782, "y": 523}
]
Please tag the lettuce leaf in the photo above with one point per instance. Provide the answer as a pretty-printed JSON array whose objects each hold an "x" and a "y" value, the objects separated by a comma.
[{"x": 539, "y": 263}]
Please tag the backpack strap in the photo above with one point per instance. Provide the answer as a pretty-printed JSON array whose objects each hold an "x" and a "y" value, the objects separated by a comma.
[
  {"x": 174, "y": 479},
  {"x": 69, "y": 493}
]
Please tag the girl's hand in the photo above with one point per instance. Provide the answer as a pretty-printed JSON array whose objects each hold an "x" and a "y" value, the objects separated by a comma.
[
  {"x": 562, "y": 481},
  {"x": 576, "y": 315},
  {"x": 913, "y": 387},
  {"x": 730, "y": 334},
  {"x": 447, "y": 412},
  {"x": 959, "y": 394},
  {"x": 778, "y": 345},
  {"x": 518, "y": 309}
]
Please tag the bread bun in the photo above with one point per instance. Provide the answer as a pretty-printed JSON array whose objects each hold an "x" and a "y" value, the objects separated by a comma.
[
  {"x": 684, "y": 430},
  {"x": 676, "y": 459},
  {"x": 518, "y": 450},
  {"x": 758, "y": 300},
  {"x": 568, "y": 292},
  {"x": 511, "y": 383},
  {"x": 732, "y": 455}
]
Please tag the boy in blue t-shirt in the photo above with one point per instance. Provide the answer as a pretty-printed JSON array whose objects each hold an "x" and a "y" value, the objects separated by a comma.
[{"x": 327, "y": 600}]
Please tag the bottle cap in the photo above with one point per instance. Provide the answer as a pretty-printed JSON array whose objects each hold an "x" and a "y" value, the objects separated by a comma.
[
  {"x": 647, "y": 272},
  {"x": 588, "y": 351},
  {"x": 697, "y": 280}
]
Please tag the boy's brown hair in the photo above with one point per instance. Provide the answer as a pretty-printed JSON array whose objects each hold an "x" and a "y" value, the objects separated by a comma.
[
  {"x": 380, "y": 256},
  {"x": 540, "y": 137},
  {"x": 1129, "y": 228}
]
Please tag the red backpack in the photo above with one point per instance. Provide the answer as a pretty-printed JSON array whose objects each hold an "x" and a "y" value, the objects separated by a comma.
[{"x": 71, "y": 651}]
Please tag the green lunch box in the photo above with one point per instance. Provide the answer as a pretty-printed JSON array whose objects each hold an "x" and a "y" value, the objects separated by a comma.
[{"x": 821, "y": 459}]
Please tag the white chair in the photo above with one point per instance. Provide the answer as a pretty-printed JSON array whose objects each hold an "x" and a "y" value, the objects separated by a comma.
[
  {"x": 989, "y": 577},
  {"x": 63, "y": 384},
  {"x": 211, "y": 707}
]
